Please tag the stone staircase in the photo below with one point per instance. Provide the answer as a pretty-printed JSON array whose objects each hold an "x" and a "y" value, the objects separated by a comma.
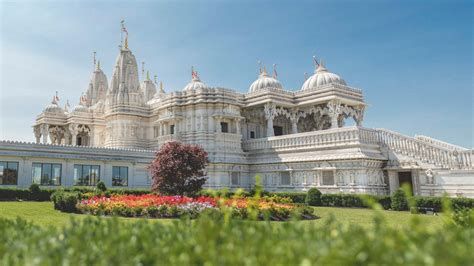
[{"x": 427, "y": 150}]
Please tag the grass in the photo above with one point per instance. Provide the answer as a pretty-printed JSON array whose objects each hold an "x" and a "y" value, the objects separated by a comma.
[{"x": 43, "y": 214}]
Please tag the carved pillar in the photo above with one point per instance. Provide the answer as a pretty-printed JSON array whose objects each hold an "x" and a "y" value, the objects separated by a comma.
[
  {"x": 73, "y": 132},
  {"x": 359, "y": 116},
  {"x": 269, "y": 110},
  {"x": 219, "y": 126},
  {"x": 334, "y": 110},
  {"x": 294, "y": 117},
  {"x": 37, "y": 131},
  {"x": 237, "y": 126}
]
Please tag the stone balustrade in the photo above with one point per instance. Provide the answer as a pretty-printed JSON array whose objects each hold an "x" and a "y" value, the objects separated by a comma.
[
  {"x": 421, "y": 150},
  {"x": 315, "y": 139},
  {"x": 439, "y": 143},
  {"x": 426, "y": 151}
]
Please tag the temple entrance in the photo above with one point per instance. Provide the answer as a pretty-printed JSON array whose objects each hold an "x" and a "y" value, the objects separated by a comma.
[
  {"x": 405, "y": 178},
  {"x": 278, "y": 131}
]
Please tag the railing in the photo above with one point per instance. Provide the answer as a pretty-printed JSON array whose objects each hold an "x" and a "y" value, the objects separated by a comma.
[
  {"x": 425, "y": 151},
  {"x": 401, "y": 144},
  {"x": 440, "y": 143},
  {"x": 314, "y": 139}
]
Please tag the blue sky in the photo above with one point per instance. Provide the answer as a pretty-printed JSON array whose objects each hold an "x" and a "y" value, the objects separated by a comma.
[{"x": 412, "y": 59}]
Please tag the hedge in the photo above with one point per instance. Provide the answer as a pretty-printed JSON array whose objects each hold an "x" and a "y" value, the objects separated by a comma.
[
  {"x": 219, "y": 241},
  {"x": 44, "y": 194}
]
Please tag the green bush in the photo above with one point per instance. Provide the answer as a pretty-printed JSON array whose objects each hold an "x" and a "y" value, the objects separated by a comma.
[
  {"x": 214, "y": 240},
  {"x": 296, "y": 197},
  {"x": 399, "y": 201},
  {"x": 101, "y": 186},
  {"x": 65, "y": 201},
  {"x": 313, "y": 197}
]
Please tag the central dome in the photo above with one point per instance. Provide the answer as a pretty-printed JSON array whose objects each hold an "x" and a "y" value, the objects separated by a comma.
[
  {"x": 265, "y": 81},
  {"x": 321, "y": 78},
  {"x": 54, "y": 108},
  {"x": 195, "y": 83}
]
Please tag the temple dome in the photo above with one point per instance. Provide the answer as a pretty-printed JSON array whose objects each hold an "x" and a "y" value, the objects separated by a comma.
[
  {"x": 82, "y": 106},
  {"x": 54, "y": 108},
  {"x": 265, "y": 81},
  {"x": 195, "y": 83},
  {"x": 321, "y": 78}
]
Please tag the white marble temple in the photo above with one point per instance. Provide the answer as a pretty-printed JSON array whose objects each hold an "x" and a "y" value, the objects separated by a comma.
[{"x": 294, "y": 140}]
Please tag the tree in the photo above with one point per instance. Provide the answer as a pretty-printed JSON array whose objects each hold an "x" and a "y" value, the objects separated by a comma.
[
  {"x": 399, "y": 200},
  {"x": 178, "y": 169},
  {"x": 313, "y": 198}
]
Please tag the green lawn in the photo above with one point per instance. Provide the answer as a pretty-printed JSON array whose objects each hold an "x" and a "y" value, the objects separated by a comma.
[{"x": 42, "y": 213}]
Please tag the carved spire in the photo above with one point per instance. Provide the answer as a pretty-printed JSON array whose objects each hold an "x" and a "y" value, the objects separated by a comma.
[
  {"x": 55, "y": 98},
  {"x": 124, "y": 30},
  {"x": 147, "y": 75},
  {"x": 67, "y": 106},
  {"x": 143, "y": 69},
  {"x": 95, "y": 62},
  {"x": 162, "y": 90}
]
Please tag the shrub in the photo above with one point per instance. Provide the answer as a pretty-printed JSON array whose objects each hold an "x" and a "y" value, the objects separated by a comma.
[
  {"x": 65, "y": 201},
  {"x": 313, "y": 197},
  {"x": 296, "y": 197},
  {"x": 464, "y": 217},
  {"x": 399, "y": 201},
  {"x": 101, "y": 186},
  {"x": 214, "y": 240},
  {"x": 178, "y": 169}
]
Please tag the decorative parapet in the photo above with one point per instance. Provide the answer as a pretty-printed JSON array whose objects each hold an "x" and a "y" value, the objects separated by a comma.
[
  {"x": 316, "y": 139},
  {"x": 425, "y": 151},
  {"x": 440, "y": 143}
]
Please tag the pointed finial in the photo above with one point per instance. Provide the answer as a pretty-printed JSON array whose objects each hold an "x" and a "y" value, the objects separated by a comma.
[
  {"x": 94, "y": 58},
  {"x": 154, "y": 78},
  {"x": 147, "y": 75},
  {"x": 124, "y": 30},
  {"x": 275, "y": 74},
  {"x": 143, "y": 68},
  {"x": 98, "y": 64},
  {"x": 161, "y": 87},
  {"x": 316, "y": 64}
]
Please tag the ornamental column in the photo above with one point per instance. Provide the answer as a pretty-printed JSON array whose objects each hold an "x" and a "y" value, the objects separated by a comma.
[
  {"x": 359, "y": 116},
  {"x": 45, "y": 133},
  {"x": 334, "y": 110},
  {"x": 37, "y": 131},
  {"x": 294, "y": 121},
  {"x": 237, "y": 126},
  {"x": 269, "y": 110},
  {"x": 73, "y": 132}
]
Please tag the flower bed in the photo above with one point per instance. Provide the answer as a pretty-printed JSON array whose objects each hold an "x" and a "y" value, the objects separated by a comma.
[{"x": 156, "y": 206}]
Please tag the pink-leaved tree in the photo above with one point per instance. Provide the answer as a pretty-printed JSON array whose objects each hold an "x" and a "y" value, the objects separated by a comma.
[{"x": 178, "y": 169}]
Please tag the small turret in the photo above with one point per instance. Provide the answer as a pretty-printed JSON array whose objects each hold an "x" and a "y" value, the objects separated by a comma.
[
  {"x": 148, "y": 87},
  {"x": 97, "y": 86}
]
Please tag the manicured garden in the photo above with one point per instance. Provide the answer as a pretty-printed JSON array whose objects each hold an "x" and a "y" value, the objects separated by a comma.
[{"x": 178, "y": 223}]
